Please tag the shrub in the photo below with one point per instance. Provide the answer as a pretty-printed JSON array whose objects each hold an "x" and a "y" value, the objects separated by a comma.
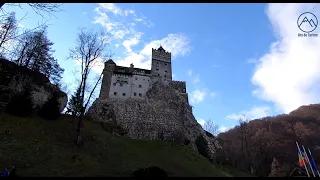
[
  {"x": 21, "y": 104},
  {"x": 50, "y": 110}
]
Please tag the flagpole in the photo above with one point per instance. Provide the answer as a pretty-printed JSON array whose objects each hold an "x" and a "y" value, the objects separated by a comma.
[
  {"x": 303, "y": 160},
  {"x": 314, "y": 162},
  {"x": 308, "y": 161}
]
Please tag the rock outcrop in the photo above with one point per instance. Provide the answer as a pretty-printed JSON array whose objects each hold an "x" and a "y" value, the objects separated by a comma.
[
  {"x": 14, "y": 79},
  {"x": 162, "y": 115}
]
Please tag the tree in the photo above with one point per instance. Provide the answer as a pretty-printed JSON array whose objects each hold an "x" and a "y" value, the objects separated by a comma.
[
  {"x": 39, "y": 8},
  {"x": 211, "y": 127},
  {"x": 8, "y": 29},
  {"x": 74, "y": 104},
  {"x": 34, "y": 51},
  {"x": 89, "y": 49},
  {"x": 8, "y": 23},
  {"x": 243, "y": 133}
]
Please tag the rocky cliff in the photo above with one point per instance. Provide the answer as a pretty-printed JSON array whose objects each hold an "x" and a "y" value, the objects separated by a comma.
[
  {"x": 163, "y": 115},
  {"x": 14, "y": 79}
]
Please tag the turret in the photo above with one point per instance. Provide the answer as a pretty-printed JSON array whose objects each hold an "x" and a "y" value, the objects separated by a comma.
[{"x": 109, "y": 67}]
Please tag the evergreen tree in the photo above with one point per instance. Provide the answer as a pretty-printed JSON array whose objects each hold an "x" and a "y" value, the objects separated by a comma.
[
  {"x": 34, "y": 51},
  {"x": 75, "y": 105}
]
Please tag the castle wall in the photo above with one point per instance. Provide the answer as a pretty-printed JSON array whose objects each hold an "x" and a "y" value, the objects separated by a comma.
[
  {"x": 129, "y": 86},
  {"x": 180, "y": 86}
]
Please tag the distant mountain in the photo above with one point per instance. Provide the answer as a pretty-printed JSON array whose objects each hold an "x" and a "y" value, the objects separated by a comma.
[{"x": 253, "y": 146}]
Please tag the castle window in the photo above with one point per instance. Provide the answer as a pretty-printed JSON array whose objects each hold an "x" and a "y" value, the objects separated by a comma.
[
  {"x": 115, "y": 93},
  {"x": 140, "y": 86},
  {"x": 165, "y": 76},
  {"x": 114, "y": 84},
  {"x": 157, "y": 62},
  {"x": 135, "y": 94},
  {"x": 165, "y": 64},
  {"x": 121, "y": 85},
  {"x": 140, "y": 94},
  {"x": 123, "y": 94},
  {"x": 158, "y": 74},
  {"x": 157, "y": 69},
  {"x": 165, "y": 71}
]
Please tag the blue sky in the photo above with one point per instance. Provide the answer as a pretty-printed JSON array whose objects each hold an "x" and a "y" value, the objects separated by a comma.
[{"x": 237, "y": 59}]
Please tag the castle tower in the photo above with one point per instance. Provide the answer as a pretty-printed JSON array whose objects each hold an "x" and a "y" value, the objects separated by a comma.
[
  {"x": 161, "y": 65},
  {"x": 109, "y": 67}
]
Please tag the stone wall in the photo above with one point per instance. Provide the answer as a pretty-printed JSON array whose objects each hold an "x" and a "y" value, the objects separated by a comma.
[{"x": 163, "y": 114}]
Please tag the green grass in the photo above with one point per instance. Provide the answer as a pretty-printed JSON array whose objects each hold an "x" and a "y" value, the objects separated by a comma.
[{"x": 39, "y": 147}]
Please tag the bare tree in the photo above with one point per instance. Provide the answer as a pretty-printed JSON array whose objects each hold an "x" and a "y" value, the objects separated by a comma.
[
  {"x": 8, "y": 28},
  {"x": 211, "y": 127},
  {"x": 91, "y": 47},
  {"x": 243, "y": 133},
  {"x": 39, "y": 8}
]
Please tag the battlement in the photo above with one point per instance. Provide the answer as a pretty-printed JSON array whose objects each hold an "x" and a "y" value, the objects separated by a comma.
[{"x": 161, "y": 55}]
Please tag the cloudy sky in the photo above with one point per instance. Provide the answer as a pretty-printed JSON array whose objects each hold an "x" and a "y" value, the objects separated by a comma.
[{"x": 237, "y": 59}]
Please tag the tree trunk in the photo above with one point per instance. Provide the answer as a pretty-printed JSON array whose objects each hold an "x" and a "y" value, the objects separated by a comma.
[{"x": 80, "y": 127}]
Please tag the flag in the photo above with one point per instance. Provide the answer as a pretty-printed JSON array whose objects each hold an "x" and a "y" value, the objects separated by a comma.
[
  {"x": 302, "y": 158},
  {"x": 313, "y": 163},
  {"x": 308, "y": 161}
]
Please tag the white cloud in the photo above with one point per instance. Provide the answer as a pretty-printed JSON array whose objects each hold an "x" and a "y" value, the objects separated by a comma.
[
  {"x": 202, "y": 122},
  {"x": 122, "y": 26},
  {"x": 190, "y": 72},
  {"x": 197, "y": 96},
  {"x": 289, "y": 74},
  {"x": 223, "y": 129},
  {"x": 131, "y": 42},
  {"x": 111, "y": 7},
  {"x": 117, "y": 45},
  {"x": 253, "y": 113},
  {"x": 97, "y": 65},
  {"x": 119, "y": 25},
  {"x": 177, "y": 44}
]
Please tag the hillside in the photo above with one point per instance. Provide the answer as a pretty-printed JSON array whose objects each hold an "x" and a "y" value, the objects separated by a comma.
[
  {"x": 272, "y": 139},
  {"x": 40, "y": 147}
]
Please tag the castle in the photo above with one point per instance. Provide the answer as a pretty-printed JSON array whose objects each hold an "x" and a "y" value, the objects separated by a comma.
[{"x": 130, "y": 82}]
